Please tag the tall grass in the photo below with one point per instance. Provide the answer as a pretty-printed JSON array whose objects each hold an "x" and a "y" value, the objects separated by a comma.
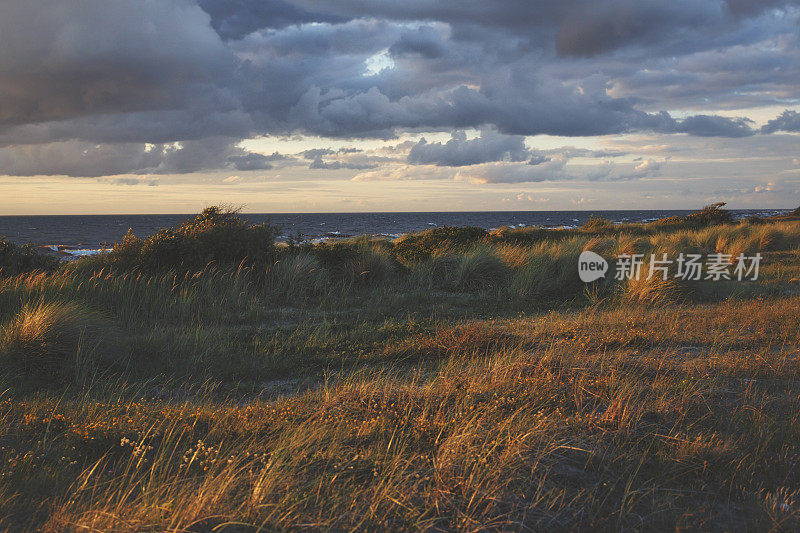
[
  {"x": 480, "y": 268},
  {"x": 550, "y": 271},
  {"x": 461, "y": 381},
  {"x": 55, "y": 341},
  {"x": 297, "y": 277},
  {"x": 585, "y": 432}
]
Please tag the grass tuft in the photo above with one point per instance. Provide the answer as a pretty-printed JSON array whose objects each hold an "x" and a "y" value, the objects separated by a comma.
[
  {"x": 55, "y": 341},
  {"x": 480, "y": 268}
]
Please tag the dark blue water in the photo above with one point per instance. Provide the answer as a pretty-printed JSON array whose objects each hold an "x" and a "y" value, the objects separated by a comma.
[{"x": 94, "y": 231}]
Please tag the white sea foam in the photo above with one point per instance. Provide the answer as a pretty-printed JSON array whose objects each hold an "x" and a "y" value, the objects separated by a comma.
[{"x": 81, "y": 252}]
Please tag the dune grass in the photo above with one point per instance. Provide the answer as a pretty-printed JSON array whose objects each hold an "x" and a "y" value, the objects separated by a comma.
[{"x": 455, "y": 380}]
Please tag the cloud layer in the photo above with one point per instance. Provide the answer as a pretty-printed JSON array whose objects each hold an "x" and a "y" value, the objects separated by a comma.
[{"x": 96, "y": 88}]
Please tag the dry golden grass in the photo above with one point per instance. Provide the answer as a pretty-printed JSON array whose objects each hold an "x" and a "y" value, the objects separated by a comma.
[
  {"x": 52, "y": 340},
  {"x": 479, "y": 389},
  {"x": 642, "y": 419}
]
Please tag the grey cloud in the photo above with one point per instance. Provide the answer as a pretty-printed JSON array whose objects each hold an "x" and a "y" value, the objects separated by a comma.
[
  {"x": 755, "y": 66},
  {"x": 250, "y": 161},
  {"x": 146, "y": 126},
  {"x": 578, "y": 27},
  {"x": 715, "y": 126},
  {"x": 150, "y": 182},
  {"x": 316, "y": 153},
  {"x": 786, "y": 121},
  {"x": 117, "y": 74},
  {"x": 539, "y": 155},
  {"x": 74, "y": 158},
  {"x": 522, "y": 105},
  {"x": 459, "y": 151},
  {"x": 424, "y": 41},
  {"x": 235, "y": 19},
  {"x": 63, "y": 59},
  {"x": 604, "y": 26},
  {"x": 319, "y": 164},
  {"x": 642, "y": 169},
  {"x": 555, "y": 169},
  {"x": 748, "y": 7},
  {"x": 551, "y": 170}
]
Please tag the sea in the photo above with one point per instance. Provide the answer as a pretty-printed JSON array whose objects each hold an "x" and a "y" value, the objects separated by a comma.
[{"x": 77, "y": 235}]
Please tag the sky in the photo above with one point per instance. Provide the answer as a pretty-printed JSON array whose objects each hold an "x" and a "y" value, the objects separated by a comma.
[{"x": 169, "y": 106}]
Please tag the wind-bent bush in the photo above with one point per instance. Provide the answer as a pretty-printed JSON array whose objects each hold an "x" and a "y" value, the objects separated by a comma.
[
  {"x": 215, "y": 235},
  {"x": 420, "y": 246},
  {"x": 710, "y": 215},
  {"x": 18, "y": 259},
  {"x": 597, "y": 224}
]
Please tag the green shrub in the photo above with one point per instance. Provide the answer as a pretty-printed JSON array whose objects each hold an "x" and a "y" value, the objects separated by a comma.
[
  {"x": 526, "y": 235},
  {"x": 771, "y": 240},
  {"x": 18, "y": 259},
  {"x": 629, "y": 244},
  {"x": 710, "y": 215},
  {"x": 214, "y": 236},
  {"x": 597, "y": 224},
  {"x": 420, "y": 246}
]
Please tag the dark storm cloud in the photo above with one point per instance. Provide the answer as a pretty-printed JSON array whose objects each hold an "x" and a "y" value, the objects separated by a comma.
[
  {"x": 92, "y": 79},
  {"x": 459, "y": 151},
  {"x": 517, "y": 104},
  {"x": 748, "y": 7},
  {"x": 424, "y": 41},
  {"x": 250, "y": 161},
  {"x": 75, "y": 158},
  {"x": 715, "y": 126},
  {"x": 608, "y": 25},
  {"x": 62, "y": 59},
  {"x": 233, "y": 19},
  {"x": 786, "y": 121},
  {"x": 146, "y": 126},
  {"x": 580, "y": 27}
]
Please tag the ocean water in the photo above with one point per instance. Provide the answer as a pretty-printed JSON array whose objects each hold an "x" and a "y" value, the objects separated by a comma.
[{"x": 85, "y": 234}]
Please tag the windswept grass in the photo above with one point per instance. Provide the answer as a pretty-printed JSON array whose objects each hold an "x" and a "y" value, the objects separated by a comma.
[
  {"x": 643, "y": 435},
  {"x": 53, "y": 341},
  {"x": 453, "y": 380}
]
